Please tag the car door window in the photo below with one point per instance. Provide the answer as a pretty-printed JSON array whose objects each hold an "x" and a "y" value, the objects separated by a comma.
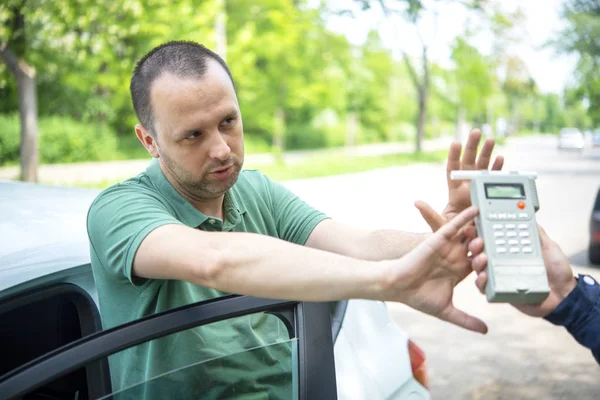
[
  {"x": 168, "y": 355},
  {"x": 215, "y": 361},
  {"x": 251, "y": 374}
]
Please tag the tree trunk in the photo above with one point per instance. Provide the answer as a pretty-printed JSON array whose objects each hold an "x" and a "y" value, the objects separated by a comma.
[
  {"x": 460, "y": 123},
  {"x": 536, "y": 116},
  {"x": 28, "y": 116},
  {"x": 279, "y": 134},
  {"x": 351, "y": 129},
  {"x": 421, "y": 119},
  {"x": 25, "y": 77},
  {"x": 423, "y": 92}
]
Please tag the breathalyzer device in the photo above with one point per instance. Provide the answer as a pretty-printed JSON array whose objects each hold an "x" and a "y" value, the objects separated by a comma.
[{"x": 507, "y": 203}]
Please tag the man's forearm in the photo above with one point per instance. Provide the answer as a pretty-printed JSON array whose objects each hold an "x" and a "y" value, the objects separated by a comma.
[
  {"x": 261, "y": 265},
  {"x": 390, "y": 244},
  {"x": 257, "y": 265}
]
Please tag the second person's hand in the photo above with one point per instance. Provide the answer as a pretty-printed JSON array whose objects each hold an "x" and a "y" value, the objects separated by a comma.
[{"x": 558, "y": 269}]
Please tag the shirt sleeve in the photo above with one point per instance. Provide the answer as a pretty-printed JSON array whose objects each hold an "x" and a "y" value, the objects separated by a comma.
[
  {"x": 118, "y": 221},
  {"x": 294, "y": 218},
  {"x": 579, "y": 312}
]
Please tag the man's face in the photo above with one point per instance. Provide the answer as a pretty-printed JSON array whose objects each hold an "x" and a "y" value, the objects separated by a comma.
[{"x": 199, "y": 133}]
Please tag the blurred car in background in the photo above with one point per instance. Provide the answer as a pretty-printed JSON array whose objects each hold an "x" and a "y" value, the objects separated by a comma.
[
  {"x": 596, "y": 138},
  {"x": 571, "y": 139},
  {"x": 49, "y": 304},
  {"x": 594, "y": 247}
]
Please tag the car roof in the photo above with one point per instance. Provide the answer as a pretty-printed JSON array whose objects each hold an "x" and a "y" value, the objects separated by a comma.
[{"x": 42, "y": 230}]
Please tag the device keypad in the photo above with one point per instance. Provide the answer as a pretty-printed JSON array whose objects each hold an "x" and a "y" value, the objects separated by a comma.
[{"x": 512, "y": 237}]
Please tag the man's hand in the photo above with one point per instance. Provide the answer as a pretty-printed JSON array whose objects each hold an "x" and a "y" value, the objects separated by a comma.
[
  {"x": 459, "y": 191},
  {"x": 424, "y": 279},
  {"x": 560, "y": 275}
]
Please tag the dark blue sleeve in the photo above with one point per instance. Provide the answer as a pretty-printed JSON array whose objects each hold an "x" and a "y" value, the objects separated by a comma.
[{"x": 579, "y": 312}]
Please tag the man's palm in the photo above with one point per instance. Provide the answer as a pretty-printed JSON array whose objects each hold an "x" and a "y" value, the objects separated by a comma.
[{"x": 459, "y": 192}]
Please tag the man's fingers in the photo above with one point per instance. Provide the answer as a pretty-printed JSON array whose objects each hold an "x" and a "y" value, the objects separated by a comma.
[
  {"x": 464, "y": 320},
  {"x": 476, "y": 246},
  {"x": 481, "y": 281},
  {"x": 452, "y": 227},
  {"x": 468, "y": 159},
  {"x": 470, "y": 232},
  {"x": 485, "y": 156},
  {"x": 433, "y": 219},
  {"x": 479, "y": 262},
  {"x": 498, "y": 163},
  {"x": 453, "y": 163}
]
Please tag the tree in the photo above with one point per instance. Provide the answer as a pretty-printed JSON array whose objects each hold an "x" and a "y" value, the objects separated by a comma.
[
  {"x": 580, "y": 37},
  {"x": 413, "y": 12},
  {"x": 12, "y": 51}
]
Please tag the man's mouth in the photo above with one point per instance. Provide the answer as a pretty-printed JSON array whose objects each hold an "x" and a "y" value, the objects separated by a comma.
[{"x": 221, "y": 169}]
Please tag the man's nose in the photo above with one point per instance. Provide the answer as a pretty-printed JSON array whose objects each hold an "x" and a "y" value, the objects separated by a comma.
[{"x": 219, "y": 150}]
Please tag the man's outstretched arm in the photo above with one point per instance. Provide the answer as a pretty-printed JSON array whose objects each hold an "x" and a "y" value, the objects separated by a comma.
[{"x": 259, "y": 265}]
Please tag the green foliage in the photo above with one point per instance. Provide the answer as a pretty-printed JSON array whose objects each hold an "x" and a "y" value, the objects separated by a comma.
[
  {"x": 61, "y": 139},
  {"x": 580, "y": 37},
  {"x": 285, "y": 62},
  {"x": 474, "y": 77},
  {"x": 9, "y": 138}
]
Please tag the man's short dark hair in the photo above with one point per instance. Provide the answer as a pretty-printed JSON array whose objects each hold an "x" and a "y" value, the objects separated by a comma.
[{"x": 183, "y": 59}]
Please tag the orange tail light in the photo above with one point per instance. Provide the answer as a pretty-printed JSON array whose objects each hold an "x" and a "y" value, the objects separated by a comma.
[{"x": 418, "y": 363}]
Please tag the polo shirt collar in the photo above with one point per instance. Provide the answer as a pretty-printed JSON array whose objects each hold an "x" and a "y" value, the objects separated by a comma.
[{"x": 233, "y": 207}]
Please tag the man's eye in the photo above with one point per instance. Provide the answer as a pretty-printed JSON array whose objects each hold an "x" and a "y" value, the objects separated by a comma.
[
  {"x": 228, "y": 121},
  {"x": 193, "y": 135}
]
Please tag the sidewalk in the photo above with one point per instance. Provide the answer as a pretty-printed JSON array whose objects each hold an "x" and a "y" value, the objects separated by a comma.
[{"x": 98, "y": 172}]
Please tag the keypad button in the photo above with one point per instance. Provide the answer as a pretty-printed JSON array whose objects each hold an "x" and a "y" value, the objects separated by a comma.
[
  {"x": 500, "y": 250},
  {"x": 493, "y": 215},
  {"x": 524, "y": 234},
  {"x": 501, "y": 215},
  {"x": 513, "y": 242},
  {"x": 499, "y": 234},
  {"x": 527, "y": 250},
  {"x": 523, "y": 226},
  {"x": 500, "y": 242},
  {"x": 514, "y": 250},
  {"x": 523, "y": 216},
  {"x": 511, "y": 234},
  {"x": 497, "y": 227},
  {"x": 525, "y": 241},
  {"x": 510, "y": 226},
  {"x": 511, "y": 216}
]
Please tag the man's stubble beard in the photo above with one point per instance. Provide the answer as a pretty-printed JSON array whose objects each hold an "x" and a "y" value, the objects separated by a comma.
[{"x": 200, "y": 188}]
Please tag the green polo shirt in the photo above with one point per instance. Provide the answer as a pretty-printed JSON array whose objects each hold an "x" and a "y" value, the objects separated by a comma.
[{"x": 119, "y": 220}]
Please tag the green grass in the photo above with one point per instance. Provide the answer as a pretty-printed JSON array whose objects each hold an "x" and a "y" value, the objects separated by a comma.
[{"x": 324, "y": 165}]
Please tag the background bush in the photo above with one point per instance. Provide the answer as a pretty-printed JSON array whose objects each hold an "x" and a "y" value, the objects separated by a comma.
[{"x": 61, "y": 139}]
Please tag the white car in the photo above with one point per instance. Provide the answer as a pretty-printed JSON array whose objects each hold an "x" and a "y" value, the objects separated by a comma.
[
  {"x": 571, "y": 139},
  {"x": 53, "y": 345}
]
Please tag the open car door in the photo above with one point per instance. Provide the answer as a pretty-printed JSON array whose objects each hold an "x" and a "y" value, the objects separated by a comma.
[{"x": 301, "y": 367}]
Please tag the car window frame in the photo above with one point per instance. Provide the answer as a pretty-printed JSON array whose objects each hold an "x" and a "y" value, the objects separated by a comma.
[{"x": 308, "y": 322}]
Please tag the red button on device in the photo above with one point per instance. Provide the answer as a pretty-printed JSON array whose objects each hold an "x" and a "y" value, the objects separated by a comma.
[{"x": 521, "y": 205}]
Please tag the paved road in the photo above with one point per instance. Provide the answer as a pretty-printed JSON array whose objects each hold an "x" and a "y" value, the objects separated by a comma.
[{"x": 521, "y": 357}]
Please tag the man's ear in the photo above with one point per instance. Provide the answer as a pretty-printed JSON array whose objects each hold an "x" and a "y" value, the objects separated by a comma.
[{"x": 148, "y": 141}]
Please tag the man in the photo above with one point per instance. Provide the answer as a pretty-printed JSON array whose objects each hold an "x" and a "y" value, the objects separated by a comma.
[{"x": 194, "y": 226}]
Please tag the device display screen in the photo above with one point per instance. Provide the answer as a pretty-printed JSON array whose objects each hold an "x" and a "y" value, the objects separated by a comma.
[{"x": 504, "y": 191}]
